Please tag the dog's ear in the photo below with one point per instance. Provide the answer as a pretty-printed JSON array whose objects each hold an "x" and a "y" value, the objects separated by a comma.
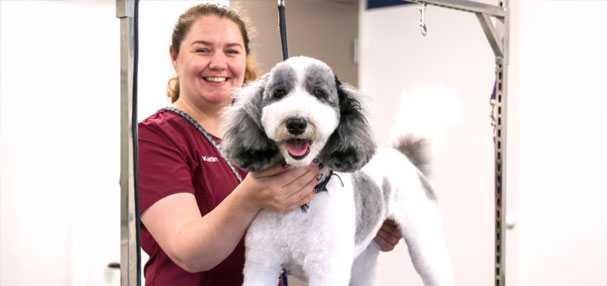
[
  {"x": 351, "y": 145},
  {"x": 244, "y": 141}
]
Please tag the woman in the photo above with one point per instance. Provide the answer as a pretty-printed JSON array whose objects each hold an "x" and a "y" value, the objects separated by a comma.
[{"x": 194, "y": 211}]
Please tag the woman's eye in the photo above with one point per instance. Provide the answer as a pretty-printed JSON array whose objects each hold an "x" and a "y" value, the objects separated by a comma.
[
  {"x": 279, "y": 93},
  {"x": 232, "y": 52},
  {"x": 202, "y": 50}
]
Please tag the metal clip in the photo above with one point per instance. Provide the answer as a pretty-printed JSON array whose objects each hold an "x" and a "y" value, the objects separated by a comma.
[{"x": 422, "y": 20}]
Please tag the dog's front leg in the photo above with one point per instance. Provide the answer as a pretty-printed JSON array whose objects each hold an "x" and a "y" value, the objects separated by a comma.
[
  {"x": 263, "y": 257},
  {"x": 262, "y": 267},
  {"x": 329, "y": 275},
  {"x": 330, "y": 265}
]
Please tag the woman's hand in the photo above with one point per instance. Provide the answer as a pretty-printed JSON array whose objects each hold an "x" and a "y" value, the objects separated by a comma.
[
  {"x": 388, "y": 235},
  {"x": 281, "y": 188}
]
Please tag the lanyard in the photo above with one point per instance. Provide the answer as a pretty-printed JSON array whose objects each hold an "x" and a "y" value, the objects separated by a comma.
[{"x": 206, "y": 135}]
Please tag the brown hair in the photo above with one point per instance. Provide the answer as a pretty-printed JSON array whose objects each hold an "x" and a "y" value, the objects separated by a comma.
[{"x": 184, "y": 22}]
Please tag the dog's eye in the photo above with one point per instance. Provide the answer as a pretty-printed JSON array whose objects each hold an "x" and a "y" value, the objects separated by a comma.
[
  {"x": 318, "y": 93},
  {"x": 279, "y": 93}
]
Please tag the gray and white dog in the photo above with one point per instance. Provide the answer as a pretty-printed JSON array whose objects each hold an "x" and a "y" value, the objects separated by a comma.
[{"x": 299, "y": 112}]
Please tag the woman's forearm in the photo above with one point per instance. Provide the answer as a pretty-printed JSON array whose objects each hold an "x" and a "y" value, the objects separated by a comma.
[{"x": 201, "y": 244}]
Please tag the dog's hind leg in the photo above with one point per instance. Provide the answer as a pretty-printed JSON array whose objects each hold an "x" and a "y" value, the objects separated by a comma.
[
  {"x": 421, "y": 225},
  {"x": 363, "y": 269}
]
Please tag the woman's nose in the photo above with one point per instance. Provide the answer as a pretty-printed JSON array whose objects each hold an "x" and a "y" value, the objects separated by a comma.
[{"x": 217, "y": 62}]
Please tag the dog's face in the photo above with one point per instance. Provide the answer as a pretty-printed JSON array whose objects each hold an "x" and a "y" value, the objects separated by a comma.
[
  {"x": 300, "y": 109},
  {"x": 297, "y": 112}
]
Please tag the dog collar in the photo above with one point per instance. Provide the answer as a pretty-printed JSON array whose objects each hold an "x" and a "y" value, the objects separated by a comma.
[{"x": 322, "y": 187}]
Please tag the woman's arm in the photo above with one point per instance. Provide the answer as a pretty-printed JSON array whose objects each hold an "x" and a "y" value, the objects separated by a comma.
[{"x": 198, "y": 243}]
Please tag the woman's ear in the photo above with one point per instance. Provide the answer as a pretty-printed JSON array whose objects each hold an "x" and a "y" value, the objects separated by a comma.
[
  {"x": 173, "y": 55},
  {"x": 351, "y": 145},
  {"x": 244, "y": 142}
]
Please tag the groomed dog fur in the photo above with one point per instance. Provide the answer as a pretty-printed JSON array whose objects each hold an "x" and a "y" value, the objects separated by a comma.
[{"x": 300, "y": 111}]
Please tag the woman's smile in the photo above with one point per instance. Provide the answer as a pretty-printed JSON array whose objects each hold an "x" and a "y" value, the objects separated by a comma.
[{"x": 215, "y": 79}]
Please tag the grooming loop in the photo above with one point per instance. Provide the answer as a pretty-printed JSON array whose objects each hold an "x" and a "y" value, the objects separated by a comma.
[
  {"x": 422, "y": 19},
  {"x": 493, "y": 104},
  {"x": 492, "y": 115},
  {"x": 282, "y": 27}
]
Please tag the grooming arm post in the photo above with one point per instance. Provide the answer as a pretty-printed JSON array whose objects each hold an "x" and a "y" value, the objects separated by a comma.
[
  {"x": 498, "y": 37},
  {"x": 128, "y": 241}
]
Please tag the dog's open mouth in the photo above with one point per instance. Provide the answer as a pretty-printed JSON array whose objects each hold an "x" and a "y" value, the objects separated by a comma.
[{"x": 298, "y": 148}]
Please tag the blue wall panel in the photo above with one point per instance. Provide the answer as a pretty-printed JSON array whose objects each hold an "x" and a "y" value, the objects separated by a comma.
[{"x": 371, "y": 4}]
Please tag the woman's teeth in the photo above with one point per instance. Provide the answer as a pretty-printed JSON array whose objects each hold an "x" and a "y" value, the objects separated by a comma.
[{"x": 215, "y": 79}]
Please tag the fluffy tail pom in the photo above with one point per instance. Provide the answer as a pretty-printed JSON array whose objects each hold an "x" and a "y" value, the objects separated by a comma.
[{"x": 423, "y": 121}]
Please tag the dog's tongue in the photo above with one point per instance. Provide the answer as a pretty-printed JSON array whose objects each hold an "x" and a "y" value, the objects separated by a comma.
[{"x": 297, "y": 147}]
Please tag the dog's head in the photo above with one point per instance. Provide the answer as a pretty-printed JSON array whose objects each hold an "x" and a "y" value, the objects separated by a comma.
[{"x": 297, "y": 112}]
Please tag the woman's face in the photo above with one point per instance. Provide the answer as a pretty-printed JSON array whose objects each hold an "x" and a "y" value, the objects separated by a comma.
[{"x": 211, "y": 61}]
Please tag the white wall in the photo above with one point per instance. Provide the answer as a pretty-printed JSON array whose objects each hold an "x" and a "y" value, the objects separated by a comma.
[
  {"x": 59, "y": 142},
  {"x": 562, "y": 171},
  {"x": 556, "y": 135}
]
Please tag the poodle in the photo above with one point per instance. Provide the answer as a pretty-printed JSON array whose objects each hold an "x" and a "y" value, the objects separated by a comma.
[{"x": 300, "y": 112}]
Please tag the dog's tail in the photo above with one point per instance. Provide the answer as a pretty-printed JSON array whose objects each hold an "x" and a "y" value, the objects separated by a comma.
[
  {"x": 416, "y": 149},
  {"x": 423, "y": 121}
]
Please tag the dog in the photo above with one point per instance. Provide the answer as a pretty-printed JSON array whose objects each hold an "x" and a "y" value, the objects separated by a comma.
[{"x": 299, "y": 112}]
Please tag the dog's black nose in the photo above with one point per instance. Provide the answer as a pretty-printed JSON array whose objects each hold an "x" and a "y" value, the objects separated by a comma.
[{"x": 296, "y": 125}]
